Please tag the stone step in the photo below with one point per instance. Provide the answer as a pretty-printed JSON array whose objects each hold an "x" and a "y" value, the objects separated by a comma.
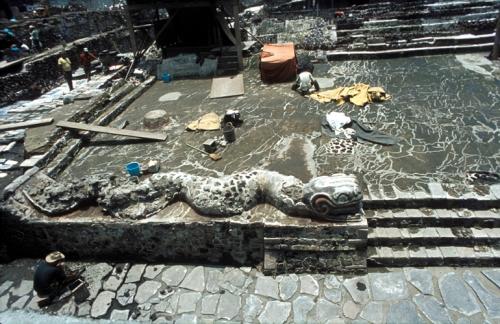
[
  {"x": 319, "y": 231},
  {"x": 339, "y": 243},
  {"x": 460, "y": 236},
  {"x": 411, "y": 41},
  {"x": 431, "y": 50},
  {"x": 396, "y": 256},
  {"x": 433, "y": 217}
]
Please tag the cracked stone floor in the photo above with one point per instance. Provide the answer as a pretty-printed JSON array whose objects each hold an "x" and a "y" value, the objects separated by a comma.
[{"x": 201, "y": 294}]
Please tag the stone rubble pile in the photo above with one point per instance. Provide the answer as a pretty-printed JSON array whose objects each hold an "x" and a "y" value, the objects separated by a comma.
[
  {"x": 374, "y": 26},
  {"x": 69, "y": 27}
]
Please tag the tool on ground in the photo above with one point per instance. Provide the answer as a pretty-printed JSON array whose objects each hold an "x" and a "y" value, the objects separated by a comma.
[{"x": 213, "y": 156}]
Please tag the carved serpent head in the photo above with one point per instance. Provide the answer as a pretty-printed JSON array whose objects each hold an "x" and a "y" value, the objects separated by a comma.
[{"x": 333, "y": 195}]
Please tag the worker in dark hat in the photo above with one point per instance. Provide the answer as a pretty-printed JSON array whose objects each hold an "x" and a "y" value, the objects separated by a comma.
[{"x": 50, "y": 276}]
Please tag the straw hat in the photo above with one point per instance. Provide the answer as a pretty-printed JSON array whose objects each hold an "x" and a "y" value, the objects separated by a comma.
[{"x": 55, "y": 256}]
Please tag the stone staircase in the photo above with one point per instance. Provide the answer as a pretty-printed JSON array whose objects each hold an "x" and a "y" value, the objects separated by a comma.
[
  {"x": 433, "y": 237},
  {"x": 415, "y": 28}
]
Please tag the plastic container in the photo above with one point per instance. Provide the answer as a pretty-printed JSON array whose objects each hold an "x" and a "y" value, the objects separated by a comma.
[
  {"x": 166, "y": 77},
  {"x": 134, "y": 169}
]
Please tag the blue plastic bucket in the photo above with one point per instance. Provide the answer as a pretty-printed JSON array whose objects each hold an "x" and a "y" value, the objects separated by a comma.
[
  {"x": 166, "y": 77},
  {"x": 134, "y": 169}
]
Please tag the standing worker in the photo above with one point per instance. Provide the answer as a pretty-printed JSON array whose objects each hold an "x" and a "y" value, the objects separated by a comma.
[
  {"x": 36, "y": 44},
  {"x": 65, "y": 64},
  {"x": 86, "y": 59},
  {"x": 305, "y": 81}
]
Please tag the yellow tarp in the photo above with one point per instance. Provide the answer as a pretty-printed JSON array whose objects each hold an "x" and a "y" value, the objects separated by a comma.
[
  {"x": 210, "y": 121},
  {"x": 359, "y": 94}
]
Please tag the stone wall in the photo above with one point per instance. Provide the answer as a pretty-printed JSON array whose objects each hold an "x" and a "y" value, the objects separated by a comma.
[
  {"x": 43, "y": 73},
  {"x": 68, "y": 27},
  {"x": 324, "y": 247},
  {"x": 218, "y": 242},
  {"x": 277, "y": 246}
]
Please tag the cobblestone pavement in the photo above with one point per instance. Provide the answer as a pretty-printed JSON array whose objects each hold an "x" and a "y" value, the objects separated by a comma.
[{"x": 190, "y": 294}]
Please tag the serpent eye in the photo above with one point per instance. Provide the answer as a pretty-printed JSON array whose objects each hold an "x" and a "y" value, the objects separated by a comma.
[{"x": 342, "y": 198}]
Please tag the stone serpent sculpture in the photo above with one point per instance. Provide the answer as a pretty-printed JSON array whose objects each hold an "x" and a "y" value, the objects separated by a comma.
[{"x": 328, "y": 197}]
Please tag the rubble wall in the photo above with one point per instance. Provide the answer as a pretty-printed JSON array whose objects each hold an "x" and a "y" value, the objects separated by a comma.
[
  {"x": 69, "y": 27},
  {"x": 339, "y": 247},
  {"x": 43, "y": 73},
  {"x": 220, "y": 242}
]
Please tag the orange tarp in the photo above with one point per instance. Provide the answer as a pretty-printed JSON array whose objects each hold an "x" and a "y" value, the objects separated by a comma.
[{"x": 278, "y": 63}]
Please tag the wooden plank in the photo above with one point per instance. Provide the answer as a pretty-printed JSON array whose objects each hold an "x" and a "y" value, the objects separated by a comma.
[
  {"x": 223, "y": 24},
  {"x": 111, "y": 130},
  {"x": 227, "y": 86},
  {"x": 27, "y": 124}
]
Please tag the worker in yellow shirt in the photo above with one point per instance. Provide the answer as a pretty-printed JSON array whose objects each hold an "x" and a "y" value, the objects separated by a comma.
[{"x": 65, "y": 64}]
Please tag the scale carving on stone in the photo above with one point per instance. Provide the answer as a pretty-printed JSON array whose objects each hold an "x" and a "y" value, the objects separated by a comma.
[{"x": 334, "y": 198}]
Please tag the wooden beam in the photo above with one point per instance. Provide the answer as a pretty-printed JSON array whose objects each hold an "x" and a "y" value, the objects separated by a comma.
[
  {"x": 237, "y": 32},
  {"x": 165, "y": 25},
  {"x": 111, "y": 130},
  {"x": 223, "y": 24},
  {"x": 27, "y": 124},
  {"x": 128, "y": 20}
]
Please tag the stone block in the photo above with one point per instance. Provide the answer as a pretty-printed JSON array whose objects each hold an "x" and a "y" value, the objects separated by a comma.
[{"x": 449, "y": 252}]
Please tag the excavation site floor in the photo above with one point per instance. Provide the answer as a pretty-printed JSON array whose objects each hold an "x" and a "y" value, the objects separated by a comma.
[{"x": 444, "y": 112}]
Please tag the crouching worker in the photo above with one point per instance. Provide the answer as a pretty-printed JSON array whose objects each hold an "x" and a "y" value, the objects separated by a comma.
[
  {"x": 305, "y": 81},
  {"x": 51, "y": 278}
]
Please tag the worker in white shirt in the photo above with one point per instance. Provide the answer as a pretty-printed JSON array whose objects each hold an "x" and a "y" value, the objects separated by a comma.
[{"x": 304, "y": 83}]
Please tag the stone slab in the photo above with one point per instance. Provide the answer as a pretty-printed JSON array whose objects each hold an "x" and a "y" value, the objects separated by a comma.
[
  {"x": 287, "y": 286},
  {"x": 135, "y": 273},
  {"x": 101, "y": 304},
  {"x": 188, "y": 302},
  {"x": 432, "y": 309},
  {"x": 309, "y": 285},
  {"x": 456, "y": 296},
  {"x": 174, "y": 275},
  {"x": 146, "y": 290},
  {"x": 302, "y": 305},
  {"x": 388, "y": 286},
  {"x": 275, "y": 312},
  {"x": 359, "y": 289},
  {"x": 253, "y": 306},
  {"x": 229, "y": 306},
  {"x": 489, "y": 300},
  {"x": 153, "y": 270},
  {"x": 421, "y": 279},
  {"x": 373, "y": 312},
  {"x": 493, "y": 275},
  {"x": 403, "y": 312},
  {"x": 195, "y": 280},
  {"x": 267, "y": 286}
]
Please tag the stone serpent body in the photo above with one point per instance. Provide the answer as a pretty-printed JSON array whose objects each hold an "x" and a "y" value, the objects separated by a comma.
[{"x": 328, "y": 197}]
